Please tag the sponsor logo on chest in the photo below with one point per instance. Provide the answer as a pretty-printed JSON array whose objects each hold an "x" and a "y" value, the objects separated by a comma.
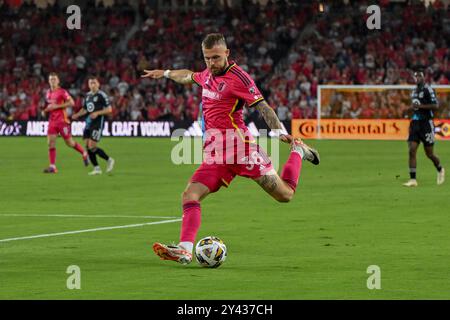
[{"x": 211, "y": 94}]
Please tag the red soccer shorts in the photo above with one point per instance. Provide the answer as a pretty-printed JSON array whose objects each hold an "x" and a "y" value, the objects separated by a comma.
[
  {"x": 214, "y": 175},
  {"x": 62, "y": 128}
]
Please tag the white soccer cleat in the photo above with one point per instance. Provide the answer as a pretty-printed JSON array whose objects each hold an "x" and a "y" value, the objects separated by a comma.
[
  {"x": 441, "y": 176},
  {"x": 110, "y": 165},
  {"x": 95, "y": 172},
  {"x": 307, "y": 153},
  {"x": 411, "y": 183},
  {"x": 172, "y": 252}
]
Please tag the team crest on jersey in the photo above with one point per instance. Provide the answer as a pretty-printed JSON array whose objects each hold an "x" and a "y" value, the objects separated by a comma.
[{"x": 221, "y": 86}]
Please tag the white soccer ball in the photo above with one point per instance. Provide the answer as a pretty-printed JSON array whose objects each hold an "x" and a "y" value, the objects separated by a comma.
[{"x": 210, "y": 252}]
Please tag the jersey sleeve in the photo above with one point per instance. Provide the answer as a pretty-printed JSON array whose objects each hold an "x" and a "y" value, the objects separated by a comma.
[
  {"x": 47, "y": 97},
  {"x": 246, "y": 89},
  {"x": 83, "y": 103},
  {"x": 199, "y": 77},
  {"x": 432, "y": 94},
  {"x": 105, "y": 98},
  {"x": 65, "y": 95}
]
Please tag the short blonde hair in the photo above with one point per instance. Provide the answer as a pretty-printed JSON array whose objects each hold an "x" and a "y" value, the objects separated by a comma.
[{"x": 213, "y": 39}]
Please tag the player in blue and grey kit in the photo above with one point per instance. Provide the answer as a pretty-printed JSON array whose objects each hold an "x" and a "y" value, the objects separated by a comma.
[
  {"x": 421, "y": 128},
  {"x": 96, "y": 106}
]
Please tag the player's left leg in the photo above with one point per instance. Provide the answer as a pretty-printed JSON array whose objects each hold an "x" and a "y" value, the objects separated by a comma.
[
  {"x": 412, "y": 163},
  {"x": 191, "y": 197},
  {"x": 94, "y": 136},
  {"x": 51, "y": 141},
  {"x": 207, "y": 179},
  {"x": 102, "y": 154},
  {"x": 429, "y": 151},
  {"x": 182, "y": 253},
  {"x": 92, "y": 151},
  {"x": 66, "y": 135}
]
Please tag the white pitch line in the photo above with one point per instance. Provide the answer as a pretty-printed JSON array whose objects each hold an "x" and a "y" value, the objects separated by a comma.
[
  {"x": 81, "y": 216},
  {"x": 89, "y": 230}
]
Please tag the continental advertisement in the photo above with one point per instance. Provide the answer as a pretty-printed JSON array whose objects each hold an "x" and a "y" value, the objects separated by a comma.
[{"x": 362, "y": 129}]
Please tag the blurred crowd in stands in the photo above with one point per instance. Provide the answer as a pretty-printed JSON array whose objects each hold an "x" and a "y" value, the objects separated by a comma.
[{"x": 288, "y": 47}]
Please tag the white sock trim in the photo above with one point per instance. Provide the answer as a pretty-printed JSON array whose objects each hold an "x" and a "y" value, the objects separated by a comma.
[
  {"x": 300, "y": 152},
  {"x": 188, "y": 246}
]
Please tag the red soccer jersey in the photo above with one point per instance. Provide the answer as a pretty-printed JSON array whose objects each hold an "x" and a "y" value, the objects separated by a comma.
[
  {"x": 225, "y": 95},
  {"x": 58, "y": 96}
]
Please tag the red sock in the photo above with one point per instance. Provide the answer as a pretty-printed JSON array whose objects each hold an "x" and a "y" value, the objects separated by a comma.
[
  {"x": 52, "y": 156},
  {"x": 291, "y": 170},
  {"x": 78, "y": 147},
  {"x": 191, "y": 221}
]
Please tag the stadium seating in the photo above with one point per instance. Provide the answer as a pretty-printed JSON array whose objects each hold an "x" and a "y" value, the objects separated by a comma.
[{"x": 289, "y": 49}]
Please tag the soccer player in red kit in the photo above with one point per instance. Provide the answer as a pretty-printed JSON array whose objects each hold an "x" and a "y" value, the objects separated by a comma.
[
  {"x": 226, "y": 89},
  {"x": 58, "y": 100}
]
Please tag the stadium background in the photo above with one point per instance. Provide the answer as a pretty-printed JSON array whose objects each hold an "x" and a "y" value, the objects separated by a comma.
[
  {"x": 289, "y": 48},
  {"x": 349, "y": 214}
]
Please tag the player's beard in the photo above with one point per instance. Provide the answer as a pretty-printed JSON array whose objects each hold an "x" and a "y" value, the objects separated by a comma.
[{"x": 219, "y": 70}]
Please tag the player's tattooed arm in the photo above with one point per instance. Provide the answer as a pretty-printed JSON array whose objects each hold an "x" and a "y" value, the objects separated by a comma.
[
  {"x": 269, "y": 115},
  {"x": 182, "y": 76},
  {"x": 271, "y": 118}
]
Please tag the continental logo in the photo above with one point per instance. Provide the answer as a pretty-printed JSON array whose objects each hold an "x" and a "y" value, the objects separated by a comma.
[
  {"x": 375, "y": 129},
  {"x": 363, "y": 129},
  {"x": 308, "y": 129}
]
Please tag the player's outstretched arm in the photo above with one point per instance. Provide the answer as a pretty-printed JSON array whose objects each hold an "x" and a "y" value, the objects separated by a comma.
[
  {"x": 272, "y": 120},
  {"x": 182, "y": 76}
]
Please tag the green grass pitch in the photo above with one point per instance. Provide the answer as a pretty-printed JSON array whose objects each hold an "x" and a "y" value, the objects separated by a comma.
[{"x": 348, "y": 213}]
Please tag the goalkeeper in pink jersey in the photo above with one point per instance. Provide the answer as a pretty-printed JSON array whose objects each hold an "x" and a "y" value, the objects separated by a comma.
[{"x": 226, "y": 89}]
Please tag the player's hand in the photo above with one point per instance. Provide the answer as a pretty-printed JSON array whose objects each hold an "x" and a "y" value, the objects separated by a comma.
[
  {"x": 50, "y": 107},
  {"x": 93, "y": 115},
  {"x": 286, "y": 138},
  {"x": 74, "y": 117},
  {"x": 154, "y": 74}
]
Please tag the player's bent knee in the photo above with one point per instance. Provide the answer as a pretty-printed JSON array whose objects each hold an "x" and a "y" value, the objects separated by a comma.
[
  {"x": 190, "y": 196},
  {"x": 285, "y": 196}
]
